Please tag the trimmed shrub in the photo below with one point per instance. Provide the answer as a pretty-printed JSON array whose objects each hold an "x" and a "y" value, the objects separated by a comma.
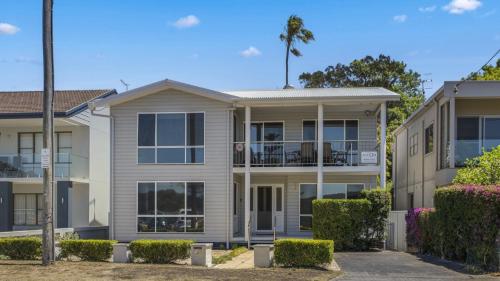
[
  {"x": 378, "y": 213},
  {"x": 463, "y": 227},
  {"x": 303, "y": 252},
  {"x": 161, "y": 251},
  {"x": 25, "y": 248},
  {"x": 343, "y": 221},
  {"x": 87, "y": 250}
]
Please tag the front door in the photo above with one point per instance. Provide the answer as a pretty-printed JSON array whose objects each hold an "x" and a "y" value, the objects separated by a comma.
[{"x": 269, "y": 208}]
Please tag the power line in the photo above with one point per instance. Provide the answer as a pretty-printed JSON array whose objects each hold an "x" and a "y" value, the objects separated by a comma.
[{"x": 477, "y": 71}]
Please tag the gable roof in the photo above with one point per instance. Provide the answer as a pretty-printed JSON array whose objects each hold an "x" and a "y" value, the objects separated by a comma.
[
  {"x": 234, "y": 97},
  {"x": 29, "y": 104},
  {"x": 161, "y": 86}
]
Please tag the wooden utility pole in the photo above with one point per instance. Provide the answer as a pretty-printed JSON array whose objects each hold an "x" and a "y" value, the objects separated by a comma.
[{"x": 47, "y": 151}]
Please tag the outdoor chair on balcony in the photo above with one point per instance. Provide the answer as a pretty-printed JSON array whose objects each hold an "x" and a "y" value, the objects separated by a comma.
[
  {"x": 307, "y": 154},
  {"x": 327, "y": 154}
]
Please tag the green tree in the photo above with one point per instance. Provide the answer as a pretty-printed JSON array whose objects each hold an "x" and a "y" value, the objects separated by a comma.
[
  {"x": 375, "y": 72},
  {"x": 488, "y": 72},
  {"x": 482, "y": 170},
  {"x": 294, "y": 32}
]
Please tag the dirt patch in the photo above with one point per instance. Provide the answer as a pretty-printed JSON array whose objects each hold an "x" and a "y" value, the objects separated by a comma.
[{"x": 64, "y": 270}]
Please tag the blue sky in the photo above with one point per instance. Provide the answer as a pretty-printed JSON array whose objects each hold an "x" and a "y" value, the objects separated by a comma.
[{"x": 208, "y": 43}]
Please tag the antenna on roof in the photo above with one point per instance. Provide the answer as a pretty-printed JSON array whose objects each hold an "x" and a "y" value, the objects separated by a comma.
[
  {"x": 426, "y": 83},
  {"x": 124, "y": 84}
]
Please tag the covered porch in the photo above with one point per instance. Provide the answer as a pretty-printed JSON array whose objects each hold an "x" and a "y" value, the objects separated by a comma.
[{"x": 281, "y": 204}]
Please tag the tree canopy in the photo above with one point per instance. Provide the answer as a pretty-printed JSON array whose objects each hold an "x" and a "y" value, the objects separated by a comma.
[
  {"x": 381, "y": 71},
  {"x": 488, "y": 72}
]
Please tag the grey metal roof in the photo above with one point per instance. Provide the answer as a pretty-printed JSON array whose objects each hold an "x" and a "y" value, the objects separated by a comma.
[{"x": 357, "y": 92}]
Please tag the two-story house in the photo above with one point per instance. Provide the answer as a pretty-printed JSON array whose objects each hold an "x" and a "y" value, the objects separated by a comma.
[
  {"x": 81, "y": 160},
  {"x": 455, "y": 124},
  {"x": 194, "y": 163}
]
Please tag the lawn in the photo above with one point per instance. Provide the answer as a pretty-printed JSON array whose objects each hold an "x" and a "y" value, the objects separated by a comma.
[{"x": 64, "y": 270}]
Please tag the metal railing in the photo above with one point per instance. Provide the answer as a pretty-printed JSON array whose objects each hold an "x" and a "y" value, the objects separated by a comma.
[
  {"x": 305, "y": 153},
  {"x": 66, "y": 165}
]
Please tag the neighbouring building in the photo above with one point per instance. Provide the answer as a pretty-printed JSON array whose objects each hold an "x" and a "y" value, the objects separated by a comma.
[
  {"x": 81, "y": 160},
  {"x": 456, "y": 123},
  {"x": 194, "y": 163}
]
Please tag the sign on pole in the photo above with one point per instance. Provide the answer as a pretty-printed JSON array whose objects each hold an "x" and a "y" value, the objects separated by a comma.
[{"x": 45, "y": 158}]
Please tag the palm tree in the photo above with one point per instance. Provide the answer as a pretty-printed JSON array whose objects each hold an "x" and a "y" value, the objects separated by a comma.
[{"x": 294, "y": 32}]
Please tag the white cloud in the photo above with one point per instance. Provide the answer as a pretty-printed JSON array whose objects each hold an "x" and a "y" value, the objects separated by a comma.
[
  {"x": 429, "y": 9},
  {"x": 458, "y": 7},
  {"x": 187, "y": 22},
  {"x": 251, "y": 52},
  {"x": 400, "y": 18},
  {"x": 8, "y": 29}
]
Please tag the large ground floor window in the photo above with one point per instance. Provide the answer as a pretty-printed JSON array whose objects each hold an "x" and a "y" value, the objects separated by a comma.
[
  {"x": 28, "y": 208},
  {"x": 308, "y": 193},
  {"x": 170, "y": 207}
]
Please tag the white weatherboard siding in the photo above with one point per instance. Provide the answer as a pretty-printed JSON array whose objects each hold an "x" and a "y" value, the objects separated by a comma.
[
  {"x": 215, "y": 171},
  {"x": 292, "y": 192}
]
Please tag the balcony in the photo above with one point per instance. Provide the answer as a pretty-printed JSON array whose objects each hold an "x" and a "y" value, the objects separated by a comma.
[
  {"x": 469, "y": 149},
  {"x": 28, "y": 166},
  {"x": 305, "y": 153}
]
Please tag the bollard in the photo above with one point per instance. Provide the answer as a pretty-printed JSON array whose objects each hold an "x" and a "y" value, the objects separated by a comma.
[
  {"x": 201, "y": 254},
  {"x": 121, "y": 254},
  {"x": 263, "y": 255}
]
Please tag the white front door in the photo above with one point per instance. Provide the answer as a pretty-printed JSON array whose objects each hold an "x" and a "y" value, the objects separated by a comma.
[{"x": 268, "y": 208}]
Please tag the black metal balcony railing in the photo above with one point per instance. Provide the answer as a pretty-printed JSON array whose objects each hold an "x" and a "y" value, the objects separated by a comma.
[{"x": 305, "y": 153}]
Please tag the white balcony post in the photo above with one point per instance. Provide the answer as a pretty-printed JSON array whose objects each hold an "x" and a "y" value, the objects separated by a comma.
[
  {"x": 319, "y": 186},
  {"x": 248, "y": 124},
  {"x": 452, "y": 133},
  {"x": 383, "y": 145}
]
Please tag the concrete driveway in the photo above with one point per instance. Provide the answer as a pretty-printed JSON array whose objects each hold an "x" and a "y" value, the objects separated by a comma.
[{"x": 387, "y": 265}]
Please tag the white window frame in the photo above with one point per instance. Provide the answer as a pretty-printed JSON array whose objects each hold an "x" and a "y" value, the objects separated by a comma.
[
  {"x": 413, "y": 149},
  {"x": 185, "y": 146},
  {"x": 304, "y": 183},
  {"x": 325, "y": 120},
  {"x": 155, "y": 216}
]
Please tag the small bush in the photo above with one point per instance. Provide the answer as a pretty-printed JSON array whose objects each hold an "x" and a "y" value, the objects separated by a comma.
[
  {"x": 161, "y": 251},
  {"x": 482, "y": 170},
  {"x": 343, "y": 221},
  {"x": 87, "y": 250},
  {"x": 303, "y": 252},
  {"x": 26, "y": 248}
]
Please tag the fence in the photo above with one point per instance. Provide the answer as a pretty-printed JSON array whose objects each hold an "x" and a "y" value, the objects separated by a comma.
[{"x": 396, "y": 231}]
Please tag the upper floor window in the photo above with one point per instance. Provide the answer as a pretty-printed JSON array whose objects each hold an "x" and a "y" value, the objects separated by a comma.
[
  {"x": 171, "y": 138},
  {"x": 429, "y": 139},
  {"x": 333, "y": 130},
  {"x": 414, "y": 144}
]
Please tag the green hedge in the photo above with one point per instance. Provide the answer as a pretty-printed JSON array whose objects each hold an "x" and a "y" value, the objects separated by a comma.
[
  {"x": 87, "y": 250},
  {"x": 26, "y": 248},
  {"x": 341, "y": 220},
  {"x": 463, "y": 226},
  {"x": 303, "y": 252},
  {"x": 378, "y": 213},
  {"x": 160, "y": 251}
]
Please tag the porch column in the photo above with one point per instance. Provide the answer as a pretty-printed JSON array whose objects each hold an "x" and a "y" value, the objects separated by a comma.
[
  {"x": 319, "y": 186},
  {"x": 247, "y": 171},
  {"x": 383, "y": 145},
  {"x": 452, "y": 136}
]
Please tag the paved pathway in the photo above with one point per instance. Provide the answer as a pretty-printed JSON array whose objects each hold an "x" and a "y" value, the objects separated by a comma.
[
  {"x": 242, "y": 261},
  {"x": 387, "y": 265}
]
